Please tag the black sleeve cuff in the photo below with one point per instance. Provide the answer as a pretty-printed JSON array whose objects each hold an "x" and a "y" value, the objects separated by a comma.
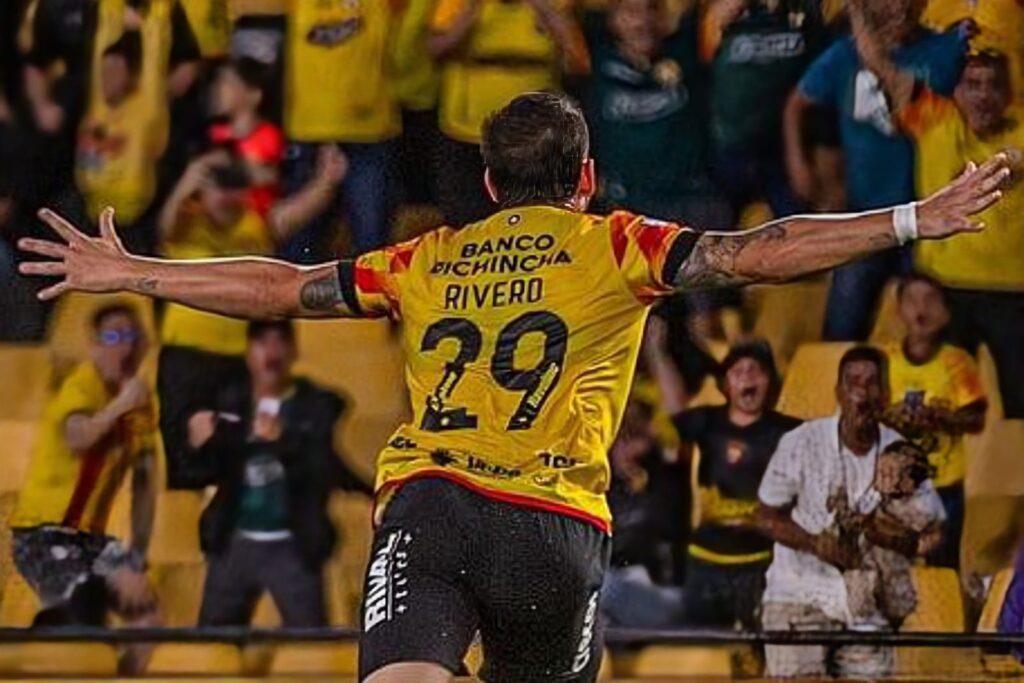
[
  {"x": 680, "y": 250},
  {"x": 347, "y": 280}
]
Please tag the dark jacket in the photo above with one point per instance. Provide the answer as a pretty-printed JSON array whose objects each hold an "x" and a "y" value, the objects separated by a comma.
[{"x": 312, "y": 468}]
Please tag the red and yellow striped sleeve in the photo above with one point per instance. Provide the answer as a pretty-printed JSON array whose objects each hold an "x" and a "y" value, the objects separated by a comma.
[
  {"x": 370, "y": 282},
  {"x": 648, "y": 253},
  {"x": 925, "y": 111}
]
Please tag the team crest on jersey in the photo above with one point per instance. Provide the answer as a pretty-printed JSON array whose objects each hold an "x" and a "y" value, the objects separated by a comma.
[
  {"x": 386, "y": 584},
  {"x": 334, "y": 34}
]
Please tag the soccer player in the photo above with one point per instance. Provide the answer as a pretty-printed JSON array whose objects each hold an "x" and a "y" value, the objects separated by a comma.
[{"x": 521, "y": 333}]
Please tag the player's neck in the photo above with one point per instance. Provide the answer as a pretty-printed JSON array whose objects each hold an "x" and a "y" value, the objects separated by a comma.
[{"x": 858, "y": 438}]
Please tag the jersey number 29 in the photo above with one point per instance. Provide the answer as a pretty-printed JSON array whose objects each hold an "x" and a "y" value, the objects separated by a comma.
[{"x": 536, "y": 383}]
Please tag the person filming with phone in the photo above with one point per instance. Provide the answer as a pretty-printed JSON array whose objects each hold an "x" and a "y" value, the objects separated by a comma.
[{"x": 268, "y": 448}]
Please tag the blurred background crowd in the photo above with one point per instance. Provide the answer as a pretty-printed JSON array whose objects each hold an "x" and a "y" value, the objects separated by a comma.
[{"x": 314, "y": 129}]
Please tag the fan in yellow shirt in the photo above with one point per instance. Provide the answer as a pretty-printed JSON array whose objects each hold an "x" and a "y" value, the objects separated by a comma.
[
  {"x": 491, "y": 51},
  {"x": 209, "y": 215},
  {"x": 98, "y": 428},
  {"x": 983, "y": 273},
  {"x": 339, "y": 88},
  {"x": 937, "y": 393},
  {"x": 125, "y": 128}
]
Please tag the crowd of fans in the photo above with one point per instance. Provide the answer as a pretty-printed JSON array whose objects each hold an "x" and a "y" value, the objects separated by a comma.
[{"x": 303, "y": 129}]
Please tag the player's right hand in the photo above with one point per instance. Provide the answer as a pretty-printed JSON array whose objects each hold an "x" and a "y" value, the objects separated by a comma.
[
  {"x": 950, "y": 210},
  {"x": 83, "y": 263}
]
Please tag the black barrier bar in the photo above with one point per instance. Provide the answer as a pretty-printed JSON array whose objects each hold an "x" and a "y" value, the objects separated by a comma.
[{"x": 614, "y": 636}]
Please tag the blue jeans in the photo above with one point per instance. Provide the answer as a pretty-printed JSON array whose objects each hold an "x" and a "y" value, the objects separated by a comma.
[
  {"x": 947, "y": 554},
  {"x": 367, "y": 199},
  {"x": 630, "y": 599},
  {"x": 854, "y": 294}
]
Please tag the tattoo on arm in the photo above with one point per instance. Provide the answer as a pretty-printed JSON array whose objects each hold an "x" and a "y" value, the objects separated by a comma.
[
  {"x": 322, "y": 294},
  {"x": 714, "y": 259}
]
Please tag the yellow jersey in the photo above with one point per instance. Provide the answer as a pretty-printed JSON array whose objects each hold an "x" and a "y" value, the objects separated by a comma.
[
  {"x": 118, "y": 147},
  {"x": 507, "y": 53},
  {"x": 199, "y": 238},
  {"x": 993, "y": 259},
  {"x": 950, "y": 378},
  {"x": 77, "y": 490},
  {"x": 416, "y": 76},
  {"x": 520, "y": 334},
  {"x": 211, "y": 23},
  {"x": 338, "y": 77}
]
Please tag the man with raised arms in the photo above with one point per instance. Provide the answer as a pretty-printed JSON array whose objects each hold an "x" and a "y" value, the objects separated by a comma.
[{"x": 491, "y": 508}]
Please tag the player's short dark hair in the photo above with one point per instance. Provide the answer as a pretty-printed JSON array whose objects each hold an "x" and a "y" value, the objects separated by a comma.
[
  {"x": 534, "y": 148},
  {"x": 995, "y": 60},
  {"x": 129, "y": 48},
  {"x": 912, "y": 278},
  {"x": 258, "y": 328},
  {"x": 233, "y": 175},
  {"x": 101, "y": 314},
  {"x": 759, "y": 351},
  {"x": 865, "y": 354}
]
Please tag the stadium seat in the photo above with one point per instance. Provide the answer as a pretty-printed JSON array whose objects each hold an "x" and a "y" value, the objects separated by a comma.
[
  {"x": 57, "y": 659},
  {"x": 709, "y": 395},
  {"x": 789, "y": 315},
  {"x": 674, "y": 660},
  {"x": 997, "y": 664},
  {"x": 179, "y": 590},
  {"x": 20, "y": 603},
  {"x": 808, "y": 391},
  {"x": 176, "y": 527},
  {"x": 195, "y": 659},
  {"x": 342, "y": 355},
  {"x": 940, "y": 609},
  {"x": 26, "y": 373},
  {"x": 993, "y": 462},
  {"x": 8, "y": 499},
  {"x": 351, "y": 514},
  {"x": 888, "y": 327},
  {"x": 302, "y": 659},
  {"x": 17, "y": 437}
]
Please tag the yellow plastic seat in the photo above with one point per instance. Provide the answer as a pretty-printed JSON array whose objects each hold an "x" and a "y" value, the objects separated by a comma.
[
  {"x": 17, "y": 437},
  {"x": 179, "y": 591},
  {"x": 58, "y": 659},
  {"x": 176, "y": 527},
  {"x": 301, "y": 659},
  {"x": 341, "y": 355},
  {"x": 789, "y": 315},
  {"x": 26, "y": 376},
  {"x": 940, "y": 609},
  {"x": 674, "y": 660},
  {"x": 351, "y": 514},
  {"x": 709, "y": 395},
  {"x": 8, "y": 500},
  {"x": 997, "y": 664},
  {"x": 888, "y": 326},
  {"x": 20, "y": 603},
  {"x": 808, "y": 391},
  {"x": 195, "y": 659}
]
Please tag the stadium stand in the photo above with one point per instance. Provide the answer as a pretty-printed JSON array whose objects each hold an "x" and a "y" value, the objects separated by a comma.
[
  {"x": 808, "y": 390},
  {"x": 206, "y": 659},
  {"x": 58, "y": 659}
]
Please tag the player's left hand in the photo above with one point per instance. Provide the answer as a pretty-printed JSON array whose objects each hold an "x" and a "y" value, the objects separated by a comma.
[
  {"x": 83, "y": 263},
  {"x": 949, "y": 211}
]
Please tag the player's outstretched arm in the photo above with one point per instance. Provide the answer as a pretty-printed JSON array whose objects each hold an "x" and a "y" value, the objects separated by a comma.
[
  {"x": 240, "y": 287},
  {"x": 800, "y": 245}
]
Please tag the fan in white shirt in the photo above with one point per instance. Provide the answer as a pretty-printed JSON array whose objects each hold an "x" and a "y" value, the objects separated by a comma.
[{"x": 822, "y": 459}]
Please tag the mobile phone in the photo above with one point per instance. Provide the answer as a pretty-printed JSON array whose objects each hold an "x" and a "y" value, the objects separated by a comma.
[
  {"x": 914, "y": 399},
  {"x": 269, "y": 406}
]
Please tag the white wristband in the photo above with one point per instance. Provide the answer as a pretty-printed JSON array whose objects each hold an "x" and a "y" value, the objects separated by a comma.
[{"x": 904, "y": 222}]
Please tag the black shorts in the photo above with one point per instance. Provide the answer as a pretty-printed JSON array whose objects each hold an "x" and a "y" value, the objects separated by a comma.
[{"x": 448, "y": 562}]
